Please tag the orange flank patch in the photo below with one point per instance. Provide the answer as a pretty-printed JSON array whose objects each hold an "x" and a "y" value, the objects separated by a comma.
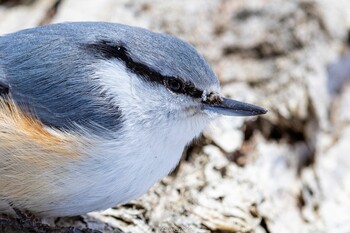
[{"x": 26, "y": 138}]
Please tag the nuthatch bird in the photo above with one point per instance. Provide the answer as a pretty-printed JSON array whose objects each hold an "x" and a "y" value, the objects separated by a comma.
[{"x": 93, "y": 114}]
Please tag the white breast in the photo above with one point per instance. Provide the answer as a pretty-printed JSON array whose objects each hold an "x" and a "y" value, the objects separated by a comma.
[
  {"x": 148, "y": 146},
  {"x": 116, "y": 172}
]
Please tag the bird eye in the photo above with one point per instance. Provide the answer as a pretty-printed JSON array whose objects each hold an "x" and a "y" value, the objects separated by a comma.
[{"x": 174, "y": 84}]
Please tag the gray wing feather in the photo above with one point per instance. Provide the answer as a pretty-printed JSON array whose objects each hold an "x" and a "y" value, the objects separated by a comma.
[{"x": 48, "y": 74}]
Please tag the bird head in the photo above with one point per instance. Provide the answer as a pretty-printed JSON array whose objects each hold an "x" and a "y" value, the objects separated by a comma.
[{"x": 157, "y": 78}]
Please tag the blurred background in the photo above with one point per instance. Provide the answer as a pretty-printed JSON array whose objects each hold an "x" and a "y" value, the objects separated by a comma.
[{"x": 287, "y": 171}]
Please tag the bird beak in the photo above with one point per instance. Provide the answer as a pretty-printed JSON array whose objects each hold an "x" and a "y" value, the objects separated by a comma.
[{"x": 229, "y": 107}]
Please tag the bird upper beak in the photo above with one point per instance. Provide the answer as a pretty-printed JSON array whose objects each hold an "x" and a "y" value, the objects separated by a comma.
[{"x": 229, "y": 107}]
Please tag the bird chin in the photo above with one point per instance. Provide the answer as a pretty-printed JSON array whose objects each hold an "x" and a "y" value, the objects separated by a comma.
[
  {"x": 198, "y": 117},
  {"x": 210, "y": 114},
  {"x": 195, "y": 112}
]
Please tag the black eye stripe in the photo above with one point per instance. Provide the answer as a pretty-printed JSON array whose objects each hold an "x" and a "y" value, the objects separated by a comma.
[
  {"x": 107, "y": 50},
  {"x": 192, "y": 91}
]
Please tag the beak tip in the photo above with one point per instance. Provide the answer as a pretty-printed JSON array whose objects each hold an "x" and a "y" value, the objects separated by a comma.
[
  {"x": 258, "y": 111},
  {"x": 263, "y": 111}
]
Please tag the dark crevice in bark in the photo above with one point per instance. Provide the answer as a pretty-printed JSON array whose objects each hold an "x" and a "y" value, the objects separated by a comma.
[
  {"x": 50, "y": 14},
  {"x": 13, "y": 3}
]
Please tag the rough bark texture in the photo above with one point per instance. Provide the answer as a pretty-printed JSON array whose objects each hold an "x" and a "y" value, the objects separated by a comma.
[{"x": 288, "y": 171}]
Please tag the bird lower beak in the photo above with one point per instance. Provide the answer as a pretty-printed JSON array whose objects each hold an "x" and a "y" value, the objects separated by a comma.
[{"x": 231, "y": 107}]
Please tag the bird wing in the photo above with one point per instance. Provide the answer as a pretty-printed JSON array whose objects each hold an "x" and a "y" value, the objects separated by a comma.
[{"x": 46, "y": 73}]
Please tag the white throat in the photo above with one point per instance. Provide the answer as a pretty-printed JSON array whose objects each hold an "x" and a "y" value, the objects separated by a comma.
[{"x": 148, "y": 146}]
